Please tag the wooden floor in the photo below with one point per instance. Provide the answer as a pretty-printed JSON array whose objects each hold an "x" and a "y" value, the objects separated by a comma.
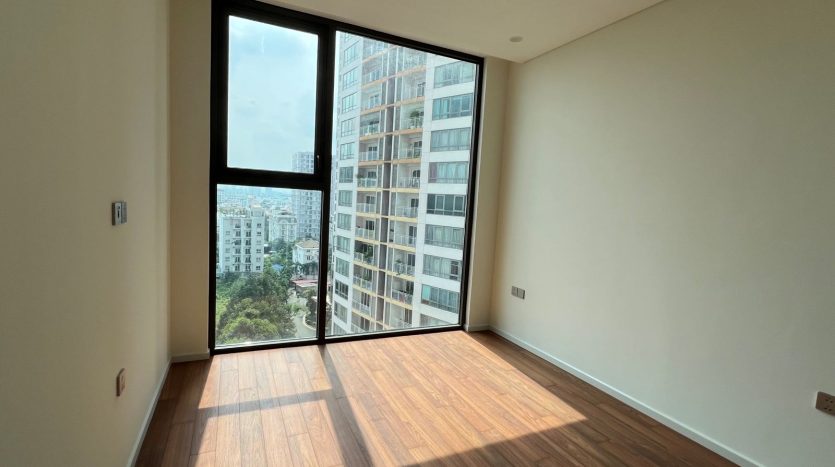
[{"x": 437, "y": 399}]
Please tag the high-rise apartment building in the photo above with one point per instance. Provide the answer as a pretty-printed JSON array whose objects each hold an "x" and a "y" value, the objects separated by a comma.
[
  {"x": 403, "y": 133},
  {"x": 307, "y": 205},
  {"x": 241, "y": 237}
]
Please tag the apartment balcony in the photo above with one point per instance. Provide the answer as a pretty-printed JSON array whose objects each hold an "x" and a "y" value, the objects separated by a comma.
[
  {"x": 412, "y": 123},
  {"x": 405, "y": 240},
  {"x": 408, "y": 182},
  {"x": 371, "y": 102},
  {"x": 397, "y": 323},
  {"x": 414, "y": 62},
  {"x": 361, "y": 257},
  {"x": 367, "y": 207},
  {"x": 413, "y": 93},
  {"x": 371, "y": 129},
  {"x": 373, "y": 48},
  {"x": 401, "y": 296},
  {"x": 372, "y": 76},
  {"x": 369, "y": 234},
  {"x": 362, "y": 308},
  {"x": 369, "y": 156},
  {"x": 365, "y": 284},
  {"x": 401, "y": 268},
  {"x": 368, "y": 182},
  {"x": 409, "y": 153},
  {"x": 406, "y": 212}
]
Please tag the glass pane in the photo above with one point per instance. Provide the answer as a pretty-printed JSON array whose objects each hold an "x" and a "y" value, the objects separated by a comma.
[
  {"x": 272, "y": 97},
  {"x": 404, "y": 121},
  {"x": 267, "y": 264}
]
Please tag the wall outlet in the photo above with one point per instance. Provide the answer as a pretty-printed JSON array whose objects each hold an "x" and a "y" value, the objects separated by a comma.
[
  {"x": 825, "y": 403},
  {"x": 517, "y": 292},
  {"x": 120, "y": 383},
  {"x": 120, "y": 212}
]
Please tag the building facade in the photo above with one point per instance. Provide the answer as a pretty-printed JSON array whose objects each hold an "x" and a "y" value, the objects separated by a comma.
[
  {"x": 307, "y": 205},
  {"x": 403, "y": 136},
  {"x": 241, "y": 238},
  {"x": 282, "y": 225}
]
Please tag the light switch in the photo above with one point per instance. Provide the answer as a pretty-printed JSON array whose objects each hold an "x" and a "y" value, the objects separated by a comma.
[{"x": 120, "y": 212}]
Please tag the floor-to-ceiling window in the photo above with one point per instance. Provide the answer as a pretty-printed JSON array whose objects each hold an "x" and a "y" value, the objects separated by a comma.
[{"x": 342, "y": 170}]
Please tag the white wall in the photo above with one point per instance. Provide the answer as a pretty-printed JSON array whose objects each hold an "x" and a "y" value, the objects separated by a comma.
[
  {"x": 668, "y": 202},
  {"x": 190, "y": 73},
  {"x": 487, "y": 193},
  {"x": 83, "y": 122}
]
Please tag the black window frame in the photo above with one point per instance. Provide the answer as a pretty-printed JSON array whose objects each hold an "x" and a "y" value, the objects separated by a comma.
[{"x": 320, "y": 180}]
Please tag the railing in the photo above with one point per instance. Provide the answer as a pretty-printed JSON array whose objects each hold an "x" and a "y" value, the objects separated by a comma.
[
  {"x": 372, "y": 76},
  {"x": 398, "y": 323},
  {"x": 401, "y": 268},
  {"x": 369, "y": 155},
  {"x": 413, "y": 93},
  {"x": 447, "y": 180},
  {"x": 441, "y": 306},
  {"x": 408, "y": 182},
  {"x": 367, "y": 309},
  {"x": 365, "y": 259},
  {"x": 365, "y": 284},
  {"x": 357, "y": 329},
  {"x": 369, "y": 129},
  {"x": 346, "y": 179},
  {"x": 370, "y": 234},
  {"x": 401, "y": 296},
  {"x": 374, "y": 101},
  {"x": 456, "y": 245},
  {"x": 412, "y": 123},
  {"x": 406, "y": 240},
  {"x": 367, "y": 207},
  {"x": 406, "y": 212},
  {"x": 442, "y": 275},
  {"x": 368, "y": 182},
  {"x": 339, "y": 294},
  {"x": 343, "y": 157},
  {"x": 409, "y": 153},
  {"x": 452, "y": 147},
  {"x": 460, "y": 113}
]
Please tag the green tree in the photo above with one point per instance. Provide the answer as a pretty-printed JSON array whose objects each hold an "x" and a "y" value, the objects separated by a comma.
[{"x": 257, "y": 308}]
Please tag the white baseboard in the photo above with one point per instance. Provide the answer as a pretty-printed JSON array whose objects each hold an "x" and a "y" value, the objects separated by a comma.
[
  {"x": 190, "y": 357},
  {"x": 476, "y": 327},
  {"x": 668, "y": 421},
  {"x": 148, "y": 415}
]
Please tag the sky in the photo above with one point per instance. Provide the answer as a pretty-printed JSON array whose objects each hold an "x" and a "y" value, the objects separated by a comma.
[{"x": 272, "y": 94}]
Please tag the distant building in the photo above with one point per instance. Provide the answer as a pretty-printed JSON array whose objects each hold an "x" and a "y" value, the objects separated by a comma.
[
  {"x": 307, "y": 204},
  {"x": 241, "y": 237},
  {"x": 306, "y": 251},
  {"x": 283, "y": 226}
]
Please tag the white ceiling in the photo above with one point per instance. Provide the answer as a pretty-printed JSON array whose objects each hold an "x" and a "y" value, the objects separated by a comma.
[{"x": 480, "y": 27}]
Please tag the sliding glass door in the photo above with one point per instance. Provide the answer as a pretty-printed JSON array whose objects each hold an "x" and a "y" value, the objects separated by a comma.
[{"x": 342, "y": 170}]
